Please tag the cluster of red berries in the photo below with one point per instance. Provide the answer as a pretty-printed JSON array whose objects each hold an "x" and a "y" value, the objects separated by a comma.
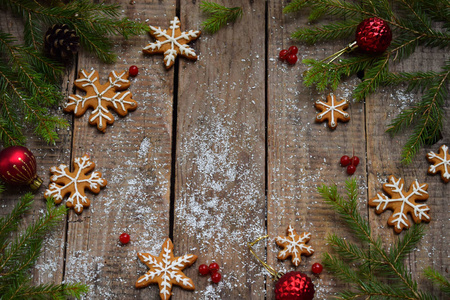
[
  {"x": 289, "y": 55},
  {"x": 213, "y": 269},
  {"x": 124, "y": 238},
  {"x": 350, "y": 163}
]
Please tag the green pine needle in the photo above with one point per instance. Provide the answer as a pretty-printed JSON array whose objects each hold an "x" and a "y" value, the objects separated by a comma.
[
  {"x": 368, "y": 267},
  {"x": 219, "y": 15},
  {"x": 412, "y": 23},
  {"x": 438, "y": 279},
  {"x": 19, "y": 252}
]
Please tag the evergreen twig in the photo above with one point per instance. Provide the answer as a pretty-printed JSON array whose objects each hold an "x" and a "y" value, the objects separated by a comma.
[
  {"x": 368, "y": 267},
  {"x": 19, "y": 252},
  {"x": 219, "y": 15},
  {"x": 30, "y": 81},
  {"x": 412, "y": 24},
  {"x": 438, "y": 279}
]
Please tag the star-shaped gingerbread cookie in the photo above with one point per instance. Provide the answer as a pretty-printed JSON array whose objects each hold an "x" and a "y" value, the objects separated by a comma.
[
  {"x": 172, "y": 42},
  {"x": 440, "y": 163},
  {"x": 294, "y": 245},
  {"x": 165, "y": 270},
  {"x": 332, "y": 110}
]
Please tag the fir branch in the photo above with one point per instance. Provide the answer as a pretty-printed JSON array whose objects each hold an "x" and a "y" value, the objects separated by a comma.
[
  {"x": 385, "y": 266},
  {"x": 332, "y": 31},
  {"x": 373, "y": 78},
  {"x": 219, "y": 15},
  {"x": 295, "y": 6},
  {"x": 438, "y": 279}
]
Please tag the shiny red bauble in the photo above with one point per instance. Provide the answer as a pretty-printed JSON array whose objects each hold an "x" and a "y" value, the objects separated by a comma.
[
  {"x": 124, "y": 238},
  {"x": 133, "y": 71},
  {"x": 294, "y": 286},
  {"x": 373, "y": 35},
  {"x": 18, "y": 167}
]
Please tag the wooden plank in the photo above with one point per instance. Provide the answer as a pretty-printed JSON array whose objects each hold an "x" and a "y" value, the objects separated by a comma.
[
  {"x": 134, "y": 155},
  {"x": 302, "y": 154},
  {"x": 385, "y": 153},
  {"x": 49, "y": 266},
  {"x": 219, "y": 188}
]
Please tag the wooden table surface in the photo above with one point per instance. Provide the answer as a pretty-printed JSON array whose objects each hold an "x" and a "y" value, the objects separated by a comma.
[{"x": 220, "y": 152}]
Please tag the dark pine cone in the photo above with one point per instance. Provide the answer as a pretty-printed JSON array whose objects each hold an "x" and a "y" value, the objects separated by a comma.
[{"x": 61, "y": 42}]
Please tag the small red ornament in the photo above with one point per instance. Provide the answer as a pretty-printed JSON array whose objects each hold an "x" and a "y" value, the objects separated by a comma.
[
  {"x": 203, "y": 269},
  {"x": 351, "y": 169},
  {"x": 291, "y": 59},
  {"x": 345, "y": 161},
  {"x": 294, "y": 286},
  {"x": 216, "y": 277},
  {"x": 214, "y": 267},
  {"x": 316, "y": 268},
  {"x": 124, "y": 238},
  {"x": 373, "y": 35},
  {"x": 133, "y": 71},
  {"x": 283, "y": 54},
  {"x": 18, "y": 167}
]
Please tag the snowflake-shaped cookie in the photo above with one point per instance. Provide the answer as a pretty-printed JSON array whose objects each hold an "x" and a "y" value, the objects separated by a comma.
[
  {"x": 441, "y": 163},
  {"x": 172, "y": 42},
  {"x": 332, "y": 110},
  {"x": 294, "y": 245},
  {"x": 101, "y": 98},
  {"x": 402, "y": 203},
  {"x": 165, "y": 270},
  {"x": 74, "y": 183}
]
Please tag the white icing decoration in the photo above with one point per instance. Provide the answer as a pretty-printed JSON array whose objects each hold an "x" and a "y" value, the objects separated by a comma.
[
  {"x": 101, "y": 112},
  {"x": 332, "y": 108},
  {"x": 400, "y": 217},
  {"x": 171, "y": 54},
  {"x": 76, "y": 197},
  {"x": 168, "y": 269},
  {"x": 443, "y": 161},
  {"x": 294, "y": 245}
]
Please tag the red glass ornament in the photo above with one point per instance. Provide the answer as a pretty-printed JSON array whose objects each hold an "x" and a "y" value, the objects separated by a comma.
[
  {"x": 133, "y": 71},
  {"x": 18, "y": 167},
  {"x": 216, "y": 277},
  {"x": 294, "y": 286},
  {"x": 203, "y": 269},
  {"x": 373, "y": 35},
  {"x": 124, "y": 238},
  {"x": 317, "y": 268}
]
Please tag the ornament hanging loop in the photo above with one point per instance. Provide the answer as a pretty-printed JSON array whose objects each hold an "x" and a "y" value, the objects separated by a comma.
[
  {"x": 276, "y": 275},
  {"x": 350, "y": 47}
]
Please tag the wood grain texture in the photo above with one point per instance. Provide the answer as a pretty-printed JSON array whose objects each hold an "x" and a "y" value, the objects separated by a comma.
[
  {"x": 134, "y": 155},
  {"x": 219, "y": 197}
]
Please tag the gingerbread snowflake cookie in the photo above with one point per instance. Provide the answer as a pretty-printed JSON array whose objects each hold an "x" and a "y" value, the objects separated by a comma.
[
  {"x": 172, "y": 42},
  {"x": 165, "y": 270},
  {"x": 74, "y": 184},
  {"x": 441, "y": 163},
  {"x": 402, "y": 203},
  {"x": 294, "y": 245},
  {"x": 332, "y": 110},
  {"x": 101, "y": 98}
]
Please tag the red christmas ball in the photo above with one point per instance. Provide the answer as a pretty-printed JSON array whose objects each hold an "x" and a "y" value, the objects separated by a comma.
[
  {"x": 294, "y": 286},
  {"x": 373, "y": 35},
  {"x": 18, "y": 167}
]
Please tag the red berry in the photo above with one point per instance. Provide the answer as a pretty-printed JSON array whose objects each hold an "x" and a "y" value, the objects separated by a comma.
[
  {"x": 214, "y": 267},
  {"x": 133, "y": 71},
  {"x": 283, "y": 54},
  {"x": 124, "y": 238},
  {"x": 355, "y": 161},
  {"x": 316, "y": 268},
  {"x": 293, "y": 50},
  {"x": 292, "y": 59},
  {"x": 203, "y": 269},
  {"x": 345, "y": 161},
  {"x": 216, "y": 277},
  {"x": 351, "y": 169}
]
